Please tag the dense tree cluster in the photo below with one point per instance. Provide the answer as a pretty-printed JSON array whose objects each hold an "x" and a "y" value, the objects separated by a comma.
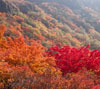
[
  {"x": 29, "y": 31},
  {"x": 24, "y": 64}
]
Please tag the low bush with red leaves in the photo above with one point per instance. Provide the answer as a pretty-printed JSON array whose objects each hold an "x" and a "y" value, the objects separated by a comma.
[{"x": 70, "y": 60}]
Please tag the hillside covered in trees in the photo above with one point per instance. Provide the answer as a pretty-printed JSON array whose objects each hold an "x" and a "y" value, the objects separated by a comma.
[
  {"x": 75, "y": 23},
  {"x": 49, "y": 44}
]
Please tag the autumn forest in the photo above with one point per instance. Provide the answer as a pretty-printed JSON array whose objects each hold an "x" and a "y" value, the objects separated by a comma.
[{"x": 49, "y": 44}]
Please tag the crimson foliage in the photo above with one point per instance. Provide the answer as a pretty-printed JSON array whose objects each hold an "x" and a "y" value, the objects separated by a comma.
[{"x": 73, "y": 59}]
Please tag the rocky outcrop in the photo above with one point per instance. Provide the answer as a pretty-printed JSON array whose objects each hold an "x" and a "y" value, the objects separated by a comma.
[
  {"x": 8, "y": 7},
  {"x": 11, "y": 6}
]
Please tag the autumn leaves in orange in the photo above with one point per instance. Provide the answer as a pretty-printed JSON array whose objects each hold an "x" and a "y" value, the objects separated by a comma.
[
  {"x": 22, "y": 53},
  {"x": 16, "y": 51}
]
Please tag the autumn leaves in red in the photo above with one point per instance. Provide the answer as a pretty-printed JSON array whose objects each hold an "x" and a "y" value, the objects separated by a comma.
[{"x": 70, "y": 60}]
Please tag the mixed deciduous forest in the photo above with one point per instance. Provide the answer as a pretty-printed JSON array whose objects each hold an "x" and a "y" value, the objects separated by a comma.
[{"x": 49, "y": 44}]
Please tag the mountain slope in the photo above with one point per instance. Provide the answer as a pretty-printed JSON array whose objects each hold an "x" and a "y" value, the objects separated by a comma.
[{"x": 52, "y": 22}]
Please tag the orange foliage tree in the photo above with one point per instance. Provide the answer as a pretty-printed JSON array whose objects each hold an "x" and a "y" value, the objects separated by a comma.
[
  {"x": 17, "y": 52},
  {"x": 20, "y": 56}
]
